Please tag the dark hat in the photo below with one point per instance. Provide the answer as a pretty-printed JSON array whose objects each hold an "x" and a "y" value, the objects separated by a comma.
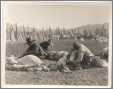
[
  {"x": 76, "y": 44},
  {"x": 28, "y": 39}
]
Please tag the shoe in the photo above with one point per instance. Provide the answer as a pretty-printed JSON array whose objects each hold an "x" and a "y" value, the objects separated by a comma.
[{"x": 66, "y": 69}]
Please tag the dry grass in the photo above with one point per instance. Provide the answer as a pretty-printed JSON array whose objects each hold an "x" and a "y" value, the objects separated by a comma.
[
  {"x": 94, "y": 76},
  {"x": 85, "y": 77}
]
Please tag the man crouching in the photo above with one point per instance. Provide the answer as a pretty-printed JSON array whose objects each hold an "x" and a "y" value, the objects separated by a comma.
[{"x": 82, "y": 57}]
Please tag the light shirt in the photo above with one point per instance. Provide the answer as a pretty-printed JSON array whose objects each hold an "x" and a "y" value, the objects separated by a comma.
[{"x": 86, "y": 50}]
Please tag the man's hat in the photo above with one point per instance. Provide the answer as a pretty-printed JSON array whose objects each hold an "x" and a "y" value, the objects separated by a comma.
[{"x": 76, "y": 44}]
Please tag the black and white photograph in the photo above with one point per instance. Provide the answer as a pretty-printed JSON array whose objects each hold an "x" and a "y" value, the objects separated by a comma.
[{"x": 56, "y": 44}]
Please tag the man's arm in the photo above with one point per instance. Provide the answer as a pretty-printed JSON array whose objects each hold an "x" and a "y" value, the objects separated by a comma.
[{"x": 80, "y": 56}]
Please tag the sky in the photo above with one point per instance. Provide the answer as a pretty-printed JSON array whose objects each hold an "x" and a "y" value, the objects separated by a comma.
[{"x": 59, "y": 14}]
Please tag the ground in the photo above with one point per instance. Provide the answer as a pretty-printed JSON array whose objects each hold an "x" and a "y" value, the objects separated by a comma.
[{"x": 92, "y": 76}]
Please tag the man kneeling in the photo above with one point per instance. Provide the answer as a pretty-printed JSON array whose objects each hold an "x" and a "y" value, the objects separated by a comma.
[{"x": 81, "y": 57}]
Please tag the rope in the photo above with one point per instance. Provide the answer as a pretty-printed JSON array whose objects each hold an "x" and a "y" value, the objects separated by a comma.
[{"x": 42, "y": 50}]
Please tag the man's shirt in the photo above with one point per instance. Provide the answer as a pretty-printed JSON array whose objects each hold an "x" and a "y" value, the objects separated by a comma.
[
  {"x": 85, "y": 50},
  {"x": 45, "y": 45}
]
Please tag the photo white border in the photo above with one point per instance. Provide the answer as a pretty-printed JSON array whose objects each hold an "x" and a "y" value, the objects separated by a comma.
[{"x": 3, "y": 44}]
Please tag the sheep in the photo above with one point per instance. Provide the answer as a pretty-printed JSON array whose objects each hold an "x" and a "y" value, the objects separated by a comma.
[{"x": 27, "y": 62}]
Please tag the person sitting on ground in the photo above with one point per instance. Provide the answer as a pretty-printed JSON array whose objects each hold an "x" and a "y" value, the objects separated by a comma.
[
  {"x": 83, "y": 55},
  {"x": 34, "y": 49}
]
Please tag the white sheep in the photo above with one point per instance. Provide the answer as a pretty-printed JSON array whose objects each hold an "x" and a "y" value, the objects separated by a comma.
[{"x": 24, "y": 63}]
